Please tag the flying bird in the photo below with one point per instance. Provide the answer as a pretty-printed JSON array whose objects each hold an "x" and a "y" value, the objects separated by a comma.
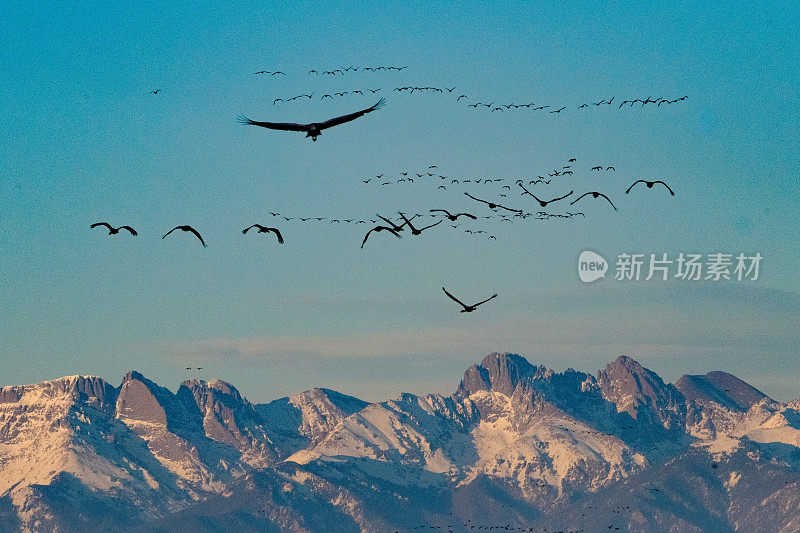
[
  {"x": 467, "y": 308},
  {"x": 394, "y": 226},
  {"x": 380, "y": 228},
  {"x": 190, "y": 230},
  {"x": 112, "y": 230},
  {"x": 453, "y": 217},
  {"x": 543, "y": 203},
  {"x": 594, "y": 194},
  {"x": 415, "y": 231},
  {"x": 155, "y": 92},
  {"x": 493, "y": 205},
  {"x": 650, "y": 185},
  {"x": 263, "y": 229},
  {"x": 313, "y": 129}
]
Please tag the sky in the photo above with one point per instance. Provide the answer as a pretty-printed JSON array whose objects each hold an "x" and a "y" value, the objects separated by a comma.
[{"x": 84, "y": 140}]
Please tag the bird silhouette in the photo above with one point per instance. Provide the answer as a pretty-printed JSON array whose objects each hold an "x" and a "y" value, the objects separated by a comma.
[
  {"x": 155, "y": 92},
  {"x": 542, "y": 202},
  {"x": 467, "y": 308},
  {"x": 650, "y": 185},
  {"x": 113, "y": 230},
  {"x": 380, "y": 228},
  {"x": 313, "y": 129},
  {"x": 493, "y": 205},
  {"x": 263, "y": 229},
  {"x": 190, "y": 230},
  {"x": 394, "y": 226},
  {"x": 451, "y": 216},
  {"x": 415, "y": 231},
  {"x": 594, "y": 194}
]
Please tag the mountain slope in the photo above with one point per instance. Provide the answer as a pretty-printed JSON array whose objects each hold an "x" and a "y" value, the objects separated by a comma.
[{"x": 516, "y": 445}]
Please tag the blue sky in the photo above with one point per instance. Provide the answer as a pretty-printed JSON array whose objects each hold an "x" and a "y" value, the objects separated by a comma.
[{"x": 84, "y": 141}]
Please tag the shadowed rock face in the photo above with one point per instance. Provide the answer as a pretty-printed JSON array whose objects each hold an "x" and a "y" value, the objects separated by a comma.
[
  {"x": 498, "y": 372},
  {"x": 226, "y": 416},
  {"x": 143, "y": 400},
  {"x": 720, "y": 387},
  {"x": 641, "y": 392}
]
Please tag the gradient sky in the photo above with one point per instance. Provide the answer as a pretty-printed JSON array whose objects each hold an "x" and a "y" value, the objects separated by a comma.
[{"x": 83, "y": 140}]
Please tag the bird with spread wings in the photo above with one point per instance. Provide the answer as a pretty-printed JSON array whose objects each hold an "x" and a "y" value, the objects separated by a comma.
[
  {"x": 467, "y": 308},
  {"x": 188, "y": 229},
  {"x": 112, "y": 230},
  {"x": 313, "y": 129}
]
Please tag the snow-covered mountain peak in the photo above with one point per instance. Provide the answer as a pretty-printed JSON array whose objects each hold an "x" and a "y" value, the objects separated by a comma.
[{"x": 516, "y": 439}]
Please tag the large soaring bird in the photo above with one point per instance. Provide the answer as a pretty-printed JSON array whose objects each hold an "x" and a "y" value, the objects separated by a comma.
[
  {"x": 650, "y": 185},
  {"x": 314, "y": 129},
  {"x": 467, "y": 308},
  {"x": 264, "y": 229},
  {"x": 190, "y": 230},
  {"x": 112, "y": 230}
]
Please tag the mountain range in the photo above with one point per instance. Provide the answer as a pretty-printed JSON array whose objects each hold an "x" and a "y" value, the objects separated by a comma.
[{"x": 516, "y": 447}]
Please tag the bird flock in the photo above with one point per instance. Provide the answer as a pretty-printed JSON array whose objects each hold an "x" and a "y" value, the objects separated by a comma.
[
  {"x": 464, "y": 219},
  {"x": 484, "y": 199}
]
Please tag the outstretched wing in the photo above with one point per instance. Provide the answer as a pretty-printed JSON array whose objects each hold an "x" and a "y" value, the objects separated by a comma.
[
  {"x": 473, "y": 217},
  {"x": 106, "y": 224},
  {"x": 170, "y": 231},
  {"x": 286, "y": 126},
  {"x": 578, "y": 198},
  {"x": 486, "y": 300},
  {"x": 407, "y": 221},
  {"x": 392, "y": 224},
  {"x": 509, "y": 209},
  {"x": 609, "y": 201},
  {"x": 366, "y": 237},
  {"x": 352, "y": 116},
  {"x": 189, "y": 228},
  {"x": 278, "y": 233},
  {"x": 133, "y": 231},
  {"x": 667, "y": 186},
  {"x": 634, "y": 183},
  {"x": 526, "y": 191},
  {"x": 561, "y": 197},
  {"x": 454, "y": 298},
  {"x": 245, "y": 230},
  {"x": 432, "y": 225}
]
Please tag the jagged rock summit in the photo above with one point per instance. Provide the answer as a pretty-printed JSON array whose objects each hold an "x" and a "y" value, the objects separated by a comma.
[{"x": 516, "y": 445}]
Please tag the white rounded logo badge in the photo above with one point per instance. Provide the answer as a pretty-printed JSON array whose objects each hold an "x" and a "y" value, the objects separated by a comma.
[{"x": 591, "y": 266}]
